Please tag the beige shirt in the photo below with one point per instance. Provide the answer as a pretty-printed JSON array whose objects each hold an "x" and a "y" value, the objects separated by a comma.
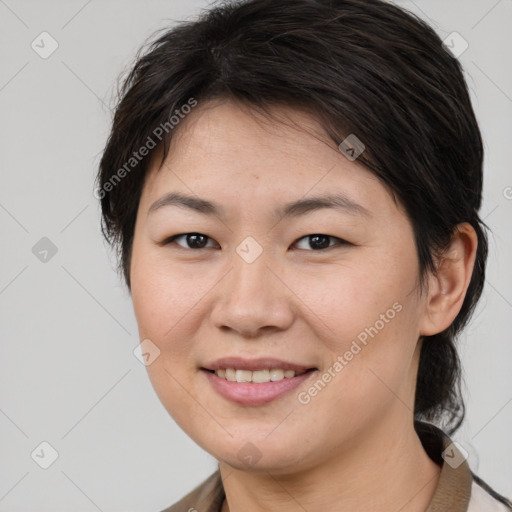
[{"x": 458, "y": 490}]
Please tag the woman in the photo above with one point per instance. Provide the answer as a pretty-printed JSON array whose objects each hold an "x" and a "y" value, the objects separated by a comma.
[{"x": 293, "y": 188}]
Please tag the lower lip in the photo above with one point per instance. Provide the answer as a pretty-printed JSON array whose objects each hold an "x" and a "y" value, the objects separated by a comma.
[{"x": 253, "y": 393}]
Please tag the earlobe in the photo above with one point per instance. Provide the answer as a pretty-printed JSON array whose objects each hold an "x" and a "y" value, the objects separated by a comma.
[{"x": 448, "y": 287}]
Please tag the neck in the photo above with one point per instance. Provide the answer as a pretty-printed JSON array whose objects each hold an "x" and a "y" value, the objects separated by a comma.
[{"x": 384, "y": 469}]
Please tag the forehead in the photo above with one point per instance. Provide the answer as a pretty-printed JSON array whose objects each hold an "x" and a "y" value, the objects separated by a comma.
[
  {"x": 225, "y": 127},
  {"x": 231, "y": 153}
]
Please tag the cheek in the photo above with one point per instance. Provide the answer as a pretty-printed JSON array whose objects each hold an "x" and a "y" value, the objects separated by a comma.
[
  {"x": 343, "y": 302},
  {"x": 166, "y": 306},
  {"x": 367, "y": 317},
  {"x": 368, "y": 375},
  {"x": 165, "y": 297}
]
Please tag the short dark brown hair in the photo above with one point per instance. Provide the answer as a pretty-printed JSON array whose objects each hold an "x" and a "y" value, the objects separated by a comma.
[{"x": 363, "y": 67}]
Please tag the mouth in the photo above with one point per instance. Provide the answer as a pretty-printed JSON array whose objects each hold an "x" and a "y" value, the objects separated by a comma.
[
  {"x": 254, "y": 388},
  {"x": 260, "y": 376}
]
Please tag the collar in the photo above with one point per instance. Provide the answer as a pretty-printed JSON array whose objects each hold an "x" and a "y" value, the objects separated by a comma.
[
  {"x": 453, "y": 490},
  {"x": 452, "y": 493}
]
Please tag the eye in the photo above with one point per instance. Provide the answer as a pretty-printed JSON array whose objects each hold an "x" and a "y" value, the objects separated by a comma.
[
  {"x": 195, "y": 240},
  {"x": 320, "y": 241}
]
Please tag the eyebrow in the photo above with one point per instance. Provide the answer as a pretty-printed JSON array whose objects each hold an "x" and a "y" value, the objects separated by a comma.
[{"x": 293, "y": 209}]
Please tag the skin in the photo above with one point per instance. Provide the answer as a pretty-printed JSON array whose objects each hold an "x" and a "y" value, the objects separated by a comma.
[{"x": 353, "y": 446}]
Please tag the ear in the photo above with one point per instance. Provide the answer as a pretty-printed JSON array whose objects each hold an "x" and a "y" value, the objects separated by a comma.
[{"x": 447, "y": 289}]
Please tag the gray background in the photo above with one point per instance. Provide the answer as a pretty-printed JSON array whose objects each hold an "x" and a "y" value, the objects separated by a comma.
[{"x": 68, "y": 373}]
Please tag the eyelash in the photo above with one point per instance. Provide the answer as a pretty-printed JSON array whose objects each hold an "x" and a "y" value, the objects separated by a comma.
[{"x": 172, "y": 239}]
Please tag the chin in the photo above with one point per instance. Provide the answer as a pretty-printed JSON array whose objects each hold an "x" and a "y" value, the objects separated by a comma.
[{"x": 254, "y": 456}]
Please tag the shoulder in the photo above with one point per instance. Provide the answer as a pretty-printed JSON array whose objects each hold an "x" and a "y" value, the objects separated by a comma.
[
  {"x": 206, "y": 497},
  {"x": 485, "y": 499}
]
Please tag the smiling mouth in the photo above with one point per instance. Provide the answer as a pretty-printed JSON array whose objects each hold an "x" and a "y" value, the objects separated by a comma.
[{"x": 258, "y": 376}]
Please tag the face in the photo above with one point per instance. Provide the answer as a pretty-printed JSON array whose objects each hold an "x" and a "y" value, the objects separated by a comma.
[{"x": 333, "y": 289}]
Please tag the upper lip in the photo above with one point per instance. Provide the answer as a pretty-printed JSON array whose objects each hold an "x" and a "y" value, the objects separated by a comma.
[{"x": 254, "y": 364}]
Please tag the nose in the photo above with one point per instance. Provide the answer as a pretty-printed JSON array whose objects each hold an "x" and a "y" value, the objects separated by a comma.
[{"x": 253, "y": 298}]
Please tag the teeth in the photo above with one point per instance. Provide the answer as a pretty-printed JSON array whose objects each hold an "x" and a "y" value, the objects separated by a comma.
[
  {"x": 243, "y": 376},
  {"x": 262, "y": 376},
  {"x": 259, "y": 376}
]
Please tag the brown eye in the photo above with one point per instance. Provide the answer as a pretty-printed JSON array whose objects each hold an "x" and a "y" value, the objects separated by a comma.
[
  {"x": 194, "y": 240},
  {"x": 320, "y": 241}
]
